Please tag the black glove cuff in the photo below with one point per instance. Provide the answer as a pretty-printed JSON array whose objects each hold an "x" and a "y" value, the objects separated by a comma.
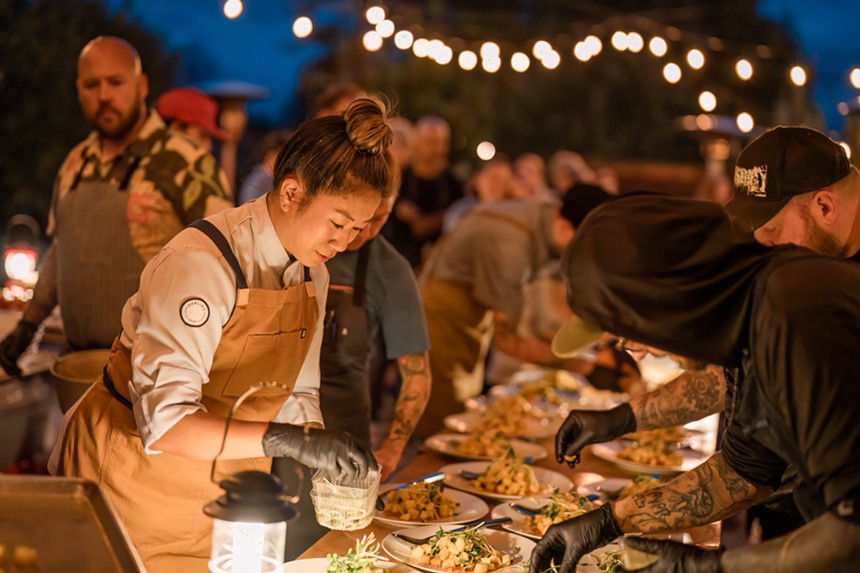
[
  {"x": 626, "y": 418},
  {"x": 282, "y": 440},
  {"x": 610, "y": 525}
]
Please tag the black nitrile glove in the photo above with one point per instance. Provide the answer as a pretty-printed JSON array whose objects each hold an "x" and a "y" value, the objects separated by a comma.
[
  {"x": 335, "y": 452},
  {"x": 584, "y": 427},
  {"x": 565, "y": 543},
  {"x": 676, "y": 557},
  {"x": 14, "y": 345}
]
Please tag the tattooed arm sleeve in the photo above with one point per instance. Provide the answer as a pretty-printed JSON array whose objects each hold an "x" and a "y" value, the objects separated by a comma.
[
  {"x": 689, "y": 397},
  {"x": 703, "y": 495}
]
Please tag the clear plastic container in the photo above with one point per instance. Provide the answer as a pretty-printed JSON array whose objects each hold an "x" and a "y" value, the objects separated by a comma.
[{"x": 344, "y": 505}]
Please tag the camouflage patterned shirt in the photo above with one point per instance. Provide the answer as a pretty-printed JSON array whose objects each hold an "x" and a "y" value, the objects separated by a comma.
[{"x": 170, "y": 182}]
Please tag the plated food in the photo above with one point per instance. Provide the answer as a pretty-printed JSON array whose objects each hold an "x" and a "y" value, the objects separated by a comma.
[
  {"x": 528, "y": 428},
  {"x": 472, "y": 551},
  {"x": 685, "y": 460},
  {"x": 467, "y": 507},
  {"x": 483, "y": 446},
  {"x": 508, "y": 475},
  {"x": 359, "y": 559},
  {"x": 559, "y": 507},
  {"x": 548, "y": 481},
  {"x": 652, "y": 453}
]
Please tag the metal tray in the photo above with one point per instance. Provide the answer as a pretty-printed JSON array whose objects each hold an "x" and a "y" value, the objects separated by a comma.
[{"x": 68, "y": 522}]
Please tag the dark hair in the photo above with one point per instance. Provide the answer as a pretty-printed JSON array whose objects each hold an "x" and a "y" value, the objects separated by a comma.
[{"x": 341, "y": 154}]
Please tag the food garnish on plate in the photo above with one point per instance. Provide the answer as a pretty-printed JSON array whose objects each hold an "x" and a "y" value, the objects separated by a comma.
[
  {"x": 420, "y": 502},
  {"x": 508, "y": 475},
  {"x": 463, "y": 551},
  {"x": 359, "y": 559}
]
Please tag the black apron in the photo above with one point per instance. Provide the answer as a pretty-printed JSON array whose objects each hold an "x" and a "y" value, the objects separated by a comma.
[{"x": 344, "y": 387}]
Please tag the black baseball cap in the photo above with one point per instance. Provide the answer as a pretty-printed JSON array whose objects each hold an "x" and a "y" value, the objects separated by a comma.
[{"x": 779, "y": 164}]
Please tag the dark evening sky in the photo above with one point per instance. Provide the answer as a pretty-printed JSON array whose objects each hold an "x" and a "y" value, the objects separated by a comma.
[{"x": 259, "y": 46}]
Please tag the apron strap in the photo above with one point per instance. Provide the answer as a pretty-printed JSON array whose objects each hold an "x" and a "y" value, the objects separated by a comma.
[
  {"x": 111, "y": 387},
  {"x": 359, "y": 290},
  {"x": 217, "y": 237}
]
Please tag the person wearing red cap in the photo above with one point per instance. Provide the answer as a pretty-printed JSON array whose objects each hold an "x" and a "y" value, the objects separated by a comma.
[{"x": 193, "y": 114}]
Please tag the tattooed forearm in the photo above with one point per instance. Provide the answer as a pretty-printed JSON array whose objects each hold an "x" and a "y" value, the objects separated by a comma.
[
  {"x": 691, "y": 396},
  {"x": 706, "y": 494},
  {"x": 413, "y": 397}
]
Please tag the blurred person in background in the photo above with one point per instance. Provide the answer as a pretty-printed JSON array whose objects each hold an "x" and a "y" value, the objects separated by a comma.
[
  {"x": 335, "y": 98},
  {"x": 193, "y": 114},
  {"x": 119, "y": 196},
  {"x": 607, "y": 179},
  {"x": 493, "y": 181},
  {"x": 530, "y": 170},
  {"x": 427, "y": 190},
  {"x": 568, "y": 169},
  {"x": 404, "y": 141},
  {"x": 259, "y": 181}
]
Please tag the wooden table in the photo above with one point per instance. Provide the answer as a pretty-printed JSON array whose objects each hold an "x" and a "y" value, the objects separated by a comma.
[{"x": 590, "y": 470}]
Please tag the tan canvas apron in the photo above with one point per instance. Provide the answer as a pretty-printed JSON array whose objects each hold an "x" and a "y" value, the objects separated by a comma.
[
  {"x": 160, "y": 497},
  {"x": 461, "y": 330}
]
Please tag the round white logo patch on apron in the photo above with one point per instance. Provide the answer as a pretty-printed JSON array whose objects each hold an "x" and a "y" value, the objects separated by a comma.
[{"x": 194, "y": 312}]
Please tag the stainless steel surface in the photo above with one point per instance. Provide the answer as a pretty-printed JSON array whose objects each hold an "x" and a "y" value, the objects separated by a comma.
[{"x": 68, "y": 522}]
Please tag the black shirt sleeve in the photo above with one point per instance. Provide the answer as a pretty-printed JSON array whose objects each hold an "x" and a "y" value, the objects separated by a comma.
[{"x": 751, "y": 460}]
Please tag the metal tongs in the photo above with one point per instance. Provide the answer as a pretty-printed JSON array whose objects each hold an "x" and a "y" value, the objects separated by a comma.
[{"x": 429, "y": 478}]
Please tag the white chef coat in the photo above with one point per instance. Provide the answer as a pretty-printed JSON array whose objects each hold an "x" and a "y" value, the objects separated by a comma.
[{"x": 170, "y": 358}]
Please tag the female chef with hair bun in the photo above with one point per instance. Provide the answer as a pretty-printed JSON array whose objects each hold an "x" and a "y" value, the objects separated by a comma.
[{"x": 231, "y": 301}]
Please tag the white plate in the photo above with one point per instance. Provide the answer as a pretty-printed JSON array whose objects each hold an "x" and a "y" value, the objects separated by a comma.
[
  {"x": 470, "y": 508},
  {"x": 548, "y": 479},
  {"x": 518, "y": 520},
  {"x": 501, "y": 540},
  {"x": 319, "y": 565},
  {"x": 542, "y": 408},
  {"x": 446, "y": 444},
  {"x": 610, "y": 450},
  {"x": 600, "y": 488},
  {"x": 534, "y": 429}
]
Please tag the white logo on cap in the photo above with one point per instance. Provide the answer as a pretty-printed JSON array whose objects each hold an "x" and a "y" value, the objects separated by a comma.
[
  {"x": 751, "y": 181},
  {"x": 194, "y": 312}
]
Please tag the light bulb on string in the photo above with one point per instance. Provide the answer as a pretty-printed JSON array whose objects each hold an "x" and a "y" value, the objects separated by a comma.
[
  {"x": 635, "y": 43},
  {"x": 672, "y": 73},
  {"x": 303, "y": 27},
  {"x": 520, "y": 62},
  {"x": 467, "y": 60},
  {"x": 696, "y": 59},
  {"x": 491, "y": 65},
  {"x": 707, "y": 101},
  {"x": 233, "y": 8},
  {"x": 798, "y": 76},
  {"x": 490, "y": 50},
  {"x": 581, "y": 52},
  {"x": 375, "y": 15},
  {"x": 745, "y": 122},
  {"x": 551, "y": 60},
  {"x": 372, "y": 41},
  {"x": 486, "y": 150},
  {"x": 434, "y": 48},
  {"x": 619, "y": 41},
  {"x": 744, "y": 69},
  {"x": 421, "y": 47},
  {"x": 704, "y": 122},
  {"x": 385, "y": 28},
  {"x": 593, "y": 44},
  {"x": 658, "y": 46},
  {"x": 855, "y": 78},
  {"x": 444, "y": 56},
  {"x": 541, "y": 49},
  {"x": 403, "y": 39}
]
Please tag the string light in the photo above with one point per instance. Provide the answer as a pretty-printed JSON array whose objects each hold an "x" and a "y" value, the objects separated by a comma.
[
  {"x": 842, "y": 108},
  {"x": 486, "y": 150},
  {"x": 491, "y": 65},
  {"x": 593, "y": 44},
  {"x": 745, "y": 122},
  {"x": 581, "y": 52},
  {"x": 520, "y": 62},
  {"x": 302, "y": 27},
  {"x": 855, "y": 78},
  {"x": 551, "y": 60},
  {"x": 744, "y": 69},
  {"x": 385, "y": 28},
  {"x": 658, "y": 46},
  {"x": 707, "y": 101},
  {"x": 672, "y": 73},
  {"x": 421, "y": 47},
  {"x": 704, "y": 122},
  {"x": 635, "y": 43},
  {"x": 798, "y": 76},
  {"x": 444, "y": 56},
  {"x": 467, "y": 60},
  {"x": 375, "y": 15},
  {"x": 619, "y": 41},
  {"x": 233, "y": 8},
  {"x": 696, "y": 59},
  {"x": 403, "y": 39},
  {"x": 372, "y": 41},
  {"x": 541, "y": 49},
  {"x": 490, "y": 50}
]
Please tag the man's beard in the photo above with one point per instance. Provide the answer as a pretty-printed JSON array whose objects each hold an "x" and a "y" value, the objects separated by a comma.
[
  {"x": 820, "y": 241},
  {"x": 125, "y": 126}
]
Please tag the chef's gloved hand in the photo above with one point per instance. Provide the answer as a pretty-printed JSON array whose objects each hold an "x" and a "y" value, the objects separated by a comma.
[
  {"x": 335, "y": 452},
  {"x": 584, "y": 427},
  {"x": 565, "y": 543},
  {"x": 676, "y": 557},
  {"x": 14, "y": 345}
]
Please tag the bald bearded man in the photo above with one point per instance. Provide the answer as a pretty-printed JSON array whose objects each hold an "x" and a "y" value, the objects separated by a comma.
[{"x": 119, "y": 196}]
